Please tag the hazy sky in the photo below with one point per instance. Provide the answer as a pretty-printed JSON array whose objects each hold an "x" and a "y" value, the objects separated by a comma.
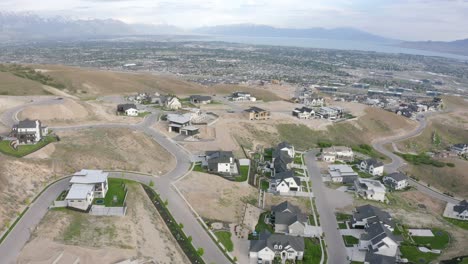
[{"x": 409, "y": 20}]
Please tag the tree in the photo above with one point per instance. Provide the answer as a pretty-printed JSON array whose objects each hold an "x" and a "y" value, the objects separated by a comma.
[
  {"x": 200, "y": 251},
  {"x": 151, "y": 183}
]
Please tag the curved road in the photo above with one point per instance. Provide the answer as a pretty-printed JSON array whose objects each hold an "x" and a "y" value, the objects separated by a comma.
[
  {"x": 398, "y": 162},
  {"x": 11, "y": 247}
]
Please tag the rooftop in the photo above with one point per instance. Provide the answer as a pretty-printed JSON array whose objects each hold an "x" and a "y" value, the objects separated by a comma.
[
  {"x": 89, "y": 176},
  {"x": 79, "y": 191}
]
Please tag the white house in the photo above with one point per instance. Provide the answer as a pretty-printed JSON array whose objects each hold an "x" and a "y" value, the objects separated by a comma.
[
  {"x": 372, "y": 166},
  {"x": 461, "y": 210},
  {"x": 221, "y": 162},
  {"x": 128, "y": 109},
  {"x": 460, "y": 149},
  {"x": 303, "y": 113},
  {"x": 29, "y": 131},
  {"x": 285, "y": 182},
  {"x": 268, "y": 246},
  {"x": 242, "y": 96},
  {"x": 334, "y": 153},
  {"x": 370, "y": 189},
  {"x": 396, "y": 180},
  {"x": 182, "y": 124},
  {"x": 342, "y": 173},
  {"x": 173, "y": 103},
  {"x": 379, "y": 240},
  {"x": 85, "y": 186}
]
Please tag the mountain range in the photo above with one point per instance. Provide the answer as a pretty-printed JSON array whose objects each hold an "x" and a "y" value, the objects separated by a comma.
[{"x": 25, "y": 27}]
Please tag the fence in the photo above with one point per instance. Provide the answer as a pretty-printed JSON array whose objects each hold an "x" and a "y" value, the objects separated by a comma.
[{"x": 109, "y": 211}]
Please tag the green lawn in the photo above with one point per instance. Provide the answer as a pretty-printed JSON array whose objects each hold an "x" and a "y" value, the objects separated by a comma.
[
  {"x": 343, "y": 217},
  {"x": 116, "y": 188},
  {"x": 298, "y": 159},
  {"x": 198, "y": 167},
  {"x": 243, "y": 173},
  {"x": 261, "y": 225},
  {"x": 350, "y": 241},
  {"x": 312, "y": 251},
  {"x": 440, "y": 240},
  {"x": 143, "y": 114},
  {"x": 24, "y": 150},
  {"x": 459, "y": 223},
  {"x": 62, "y": 196},
  {"x": 264, "y": 185},
  {"x": 413, "y": 254},
  {"x": 342, "y": 226},
  {"x": 225, "y": 238},
  {"x": 268, "y": 154}
]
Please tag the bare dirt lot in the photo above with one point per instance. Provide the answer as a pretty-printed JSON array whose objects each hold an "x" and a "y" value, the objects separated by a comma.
[
  {"x": 65, "y": 236},
  {"x": 223, "y": 201}
]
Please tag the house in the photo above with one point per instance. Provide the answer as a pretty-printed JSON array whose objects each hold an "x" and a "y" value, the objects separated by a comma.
[
  {"x": 85, "y": 186},
  {"x": 372, "y": 166},
  {"x": 127, "y": 109},
  {"x": 283, "y": 157},
  {"x": 221, "y": 162},
  {"x": 370, "y": 189},
  {"x": 368, "y": 214},
  {"x": 396, "y": 180},
  {"x": 461, "y": 210},
  {"x": 268, "y": 246},
  {"x": 242, "y": 96},
  {"x": 181, "y": 123},
  {"x": 200, "y": 99},
  {"x": 331, "y": 113},
  {"x": 172, "y": 103},
  {"x": 288, "y": 219},
  {"x": 334, "y": 153},
  {"x": 256, "y": 113},
  {"x": 315, "y": 102},
  {"x": 140, "y": 98},
  {"x": 285, "y": 182},
  {"x": 342, "y": 173},
  {"x": 460, "y": 149},
  {"x": 29, "y": 131},
  {"x": 303, "y": 113}
]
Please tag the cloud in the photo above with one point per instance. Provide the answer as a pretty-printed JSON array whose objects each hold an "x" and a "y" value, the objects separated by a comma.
[{"x": 403, "y": 19}]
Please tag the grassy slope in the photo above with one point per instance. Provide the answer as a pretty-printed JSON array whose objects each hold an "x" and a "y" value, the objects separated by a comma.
[
  {"x": 13, "y": 85},
  {"x": 225, "y": 238}
]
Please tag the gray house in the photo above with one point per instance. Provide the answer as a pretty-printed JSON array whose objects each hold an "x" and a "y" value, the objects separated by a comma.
[
  {"x": 200, "y": 99},
  {"x": 288, "y": 219},
  {"x": 221, "y": 162},
  {"x": 268, "y": 246},
  {"x": 396, "y": 180}
]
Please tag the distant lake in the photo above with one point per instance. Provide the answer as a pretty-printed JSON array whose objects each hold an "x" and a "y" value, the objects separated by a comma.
[{"x": 329, "y": 44}]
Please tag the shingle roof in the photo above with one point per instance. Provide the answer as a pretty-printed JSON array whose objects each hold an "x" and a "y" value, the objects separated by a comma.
[
  {"x": 372, "y": 214},
  {"x": 379, "y": 259},
  {"x": 125, "y": 107},
  {"x": 285, "y": 207},
  {"x": 27, "y": 123},
  {"x": 255, "y": 109},
  {"x": 374, "y": 163},
  {"x": 215, "y": 157},
  {"x": 269, "y": 240},
  {"x": 200, "y": 97},
  {"x": 397, "y": 176},
  {"x": 287, "y": 218},
  {"x": 461, "y": 207}
]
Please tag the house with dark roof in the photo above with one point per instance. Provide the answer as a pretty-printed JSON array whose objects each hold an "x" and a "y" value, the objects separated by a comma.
[
  {"x": 460, "y": 148},
  {"x": 372, "y": 166},
  {"x": 200, "y": 99},
  {"x": 303, "y": 113},
  {"x": 342, "y": 173},
  {"x": 285, "y": 182},
  {"x": 461, "y": 210},
  {"x": 268, "y": 246},
  {"x": 288, "y": 219},
  {"x": 127, "y": 109},
  {"x": 256, "y": 113},
  {"x": 367, "y": 214},
  {"x": 29, "y": 131},
  {"x": 283, "y": 157},
  {"x": 396, "y": 181},
  {"x": 222, "y": 162}
]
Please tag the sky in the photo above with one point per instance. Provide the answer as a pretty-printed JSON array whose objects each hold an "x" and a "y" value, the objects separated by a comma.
[{"x": 399, "y": 19}]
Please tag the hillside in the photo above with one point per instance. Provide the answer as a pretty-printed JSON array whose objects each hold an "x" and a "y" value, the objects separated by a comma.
[
  {"x": 14, "y": 85},
  {"x": 456, "y": 47}
]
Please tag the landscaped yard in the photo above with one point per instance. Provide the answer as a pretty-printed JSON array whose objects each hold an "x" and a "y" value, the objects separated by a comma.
[
  {"x": 261, "y": 225},
  {"x": 62, "y": 196},
  {"x": 413, "y": 254},
  {"x": 312, "y": 251},
  {"x": 298, "y": 159},
  {"x": 24, "y": 150},
  {"x": 116, "y": 189},
  {"x": 264, "y": 184},
  {"x": 198, "y": 167},
  {"x": 268, "y": 154},
  {"x": 343, "y": 217},
  {"x": 224, "y": 238},
  {"x": 459, "y": 223},
  {"x": 440, "y": 240},
  {"x": 350, "y": 241},
  {"x": 342, "y": 226},
  {"x": 243, "y": 173}
]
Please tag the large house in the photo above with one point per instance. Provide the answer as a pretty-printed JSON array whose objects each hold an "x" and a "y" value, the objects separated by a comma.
[
  {"x": 303, "y": 113},
  {"x": 342, "y": 173},
  {"x": 182, "y": 124},
  {"x": 288, "y": 219},
  {"x": 331, "y": 113},
  {"x": 379, "y": 242},
  {"x": 127, "y": 109},
  {"x": 334, "y": 153},
  {"x": 200, "y": 99},
  {"x": 172, "y": 103},
  {"x": 221, "y": 162},
  {"x": 460, "y": 149},
  {"x": 283, "y": 157},
  {"x": 256, "y": 113},
  {"x": 268, "y": 246},
  {"x": 461, "y": 210},
  {"x": 396, "y": 180},
  {"x": 85, "y": 186},
  {"x": 242, "y": 96},
  {"x": 285, "y": 182},
  {"x": 29, "y": 131},
  {"x": 370, "y": 189},
  {"x": 372, "y": 166}
]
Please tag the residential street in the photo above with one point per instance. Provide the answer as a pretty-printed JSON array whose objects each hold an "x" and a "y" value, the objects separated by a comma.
[{"x": 335, "y": 246}]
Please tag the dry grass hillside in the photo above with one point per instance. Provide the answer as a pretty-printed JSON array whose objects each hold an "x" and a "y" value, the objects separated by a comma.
[
  {"x": 13, "y": 85},
  {"x": 442, "y": 130}
]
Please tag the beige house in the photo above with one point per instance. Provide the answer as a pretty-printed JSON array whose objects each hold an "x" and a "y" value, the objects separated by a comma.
[{"x": 256, "y": 113}]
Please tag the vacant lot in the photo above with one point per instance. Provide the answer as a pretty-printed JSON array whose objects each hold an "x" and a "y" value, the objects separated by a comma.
[
  {"x": 14, "y": 85},
  {"x": 69, "y": 236},
  {"x": 223, "y": 200}
]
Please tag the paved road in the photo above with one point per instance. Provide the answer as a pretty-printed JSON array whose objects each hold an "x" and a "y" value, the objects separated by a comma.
[
  {"x": 11, "y": 247},
  {"x": 335, "y": 246},
  {"x": 397, "y": 162}
]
